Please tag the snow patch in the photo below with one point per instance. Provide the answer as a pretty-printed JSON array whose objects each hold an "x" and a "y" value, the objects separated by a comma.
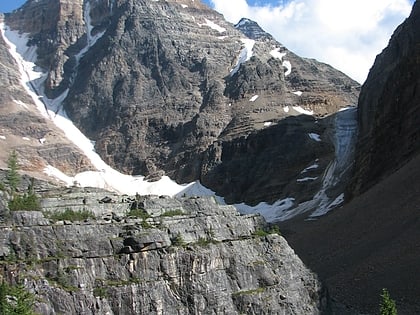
[
  {"x": 298, "y": 93},
  {"x": 286, "y": 109},
  {"x": 42, "y": 140},
  {"x": 254, "y": 98},
  {"x": 309, "y": 168},
  {"x": 288, "y": 66},
  {"x": 20, "y": 103},
  {"x": 314, "y": 136},
  {"x": 3, "y": 137},
  {"x": 280, "y": 55},
  {"x": 268, "y": 123},
  {"x": 306, "y": 179},
  {"x": 245, "y": 55},
  {"x": 302, "y": 111},
  {"x": 26, "y": 139},
  {"x": 277, "y": 54},
  {"x": 323, "y": 211},
  {"x": 213, "y": 26},
  {"x": 184, "y": 6},
  {"x": 269, "y": 212}
]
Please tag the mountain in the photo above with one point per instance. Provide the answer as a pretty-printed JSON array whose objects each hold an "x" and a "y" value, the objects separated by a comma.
[
  {"x": 372, "y": 241},
  {"x": 171, "y": 88}
]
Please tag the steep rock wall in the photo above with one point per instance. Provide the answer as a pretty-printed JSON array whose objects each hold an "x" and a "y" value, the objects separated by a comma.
[{"x": 389, "y": 111}]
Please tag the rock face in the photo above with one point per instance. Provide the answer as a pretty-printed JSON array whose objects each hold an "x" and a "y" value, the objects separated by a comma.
[
  {"x": 37, "y": 142},
  {"x": 389, "y": 111},
  {"x": 169, "y": 87},
  {"x": 166, "y": 256}
]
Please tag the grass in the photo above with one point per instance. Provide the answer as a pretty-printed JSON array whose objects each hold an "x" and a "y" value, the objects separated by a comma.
[
  {"x": 70, "y": 215},
  {"x": 202, "y": 241},
  {"x": 138, "y": 213},
  {"x": 172, "y": 213}
]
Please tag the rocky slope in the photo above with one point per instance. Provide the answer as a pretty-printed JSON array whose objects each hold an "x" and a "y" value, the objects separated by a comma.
[
  {"x": 164, "y": 256},
  {"x": 169, "y": 87}
]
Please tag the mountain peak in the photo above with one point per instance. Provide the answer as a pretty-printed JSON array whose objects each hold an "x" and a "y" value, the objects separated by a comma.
[{"x": 252, "y": 30}]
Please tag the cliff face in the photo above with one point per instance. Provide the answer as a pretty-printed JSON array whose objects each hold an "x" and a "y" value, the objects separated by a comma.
[
  {"x": 170, "y": 256},
  {"x": 161, "y": 86},
  {"x": 36, "y": 140},
  {"x": 389, "y": 111}
]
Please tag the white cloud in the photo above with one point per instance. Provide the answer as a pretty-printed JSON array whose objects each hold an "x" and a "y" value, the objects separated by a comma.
[{"x": 348, "y": 34}]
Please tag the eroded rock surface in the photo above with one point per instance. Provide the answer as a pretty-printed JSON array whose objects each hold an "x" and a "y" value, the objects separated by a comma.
[{"x": 175, "y": 256}]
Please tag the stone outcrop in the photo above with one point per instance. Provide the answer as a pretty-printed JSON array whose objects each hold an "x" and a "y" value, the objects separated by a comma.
[
  {"x": 161, "y": 86},
  {"x": 389, "y": 111},
  {"x": 165, "y": 256}
]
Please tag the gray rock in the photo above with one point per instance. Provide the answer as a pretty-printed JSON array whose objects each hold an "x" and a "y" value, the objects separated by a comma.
[{"x": 218, "y": 265}]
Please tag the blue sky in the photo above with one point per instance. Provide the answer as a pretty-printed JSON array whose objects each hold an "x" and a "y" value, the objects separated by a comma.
[{"x": 347, "y": 34}]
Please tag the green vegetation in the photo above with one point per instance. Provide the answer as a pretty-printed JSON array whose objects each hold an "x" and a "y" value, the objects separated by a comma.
[
  {"x": 27, "y": 201},
  {"x": 15, "y": 300},
  {"x": 138, "y": 213},
  {"x": 260, "y": 233},
  {"x": 387, "y": 305},
  {"x": 178, "y": 240},
  {"x": 172, "y": 213},
  {"x": 141, "y": 214},
  {"x": 100, "y": 292},
  {"x": 12, "y": 177},
  {"x": 274, "y": 229},
  {"x": 70, "y": 215},
  {"x": 202, "y": 241}
]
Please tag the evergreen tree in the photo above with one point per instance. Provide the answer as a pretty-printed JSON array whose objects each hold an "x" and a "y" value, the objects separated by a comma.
[
  {"x": 387, "y": 306},
  {"x": 13, "y": 178},
  {"x": 15, "y": 300}
]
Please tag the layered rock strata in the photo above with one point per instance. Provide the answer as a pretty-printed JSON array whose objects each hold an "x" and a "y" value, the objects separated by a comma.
[{"x": 166, "y": 256}]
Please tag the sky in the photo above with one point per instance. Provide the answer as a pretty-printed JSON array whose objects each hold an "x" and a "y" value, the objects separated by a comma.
[{"x": 347, "y": 34}]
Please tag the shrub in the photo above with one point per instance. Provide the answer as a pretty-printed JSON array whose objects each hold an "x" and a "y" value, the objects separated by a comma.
[
  {"x": 172, "y": 213},
  {"x": 178, "y": 240},
  {"x": 387, "y": 305},
  {"x": 26, "y": 202}
]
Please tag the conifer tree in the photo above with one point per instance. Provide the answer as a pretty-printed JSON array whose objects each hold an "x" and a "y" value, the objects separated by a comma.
[
  {"x": 387, "y": 306},
  {"x": 13, "y": 177}
]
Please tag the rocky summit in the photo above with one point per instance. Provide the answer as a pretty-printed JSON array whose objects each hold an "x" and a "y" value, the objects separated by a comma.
[{"x": 171, "y": 88}]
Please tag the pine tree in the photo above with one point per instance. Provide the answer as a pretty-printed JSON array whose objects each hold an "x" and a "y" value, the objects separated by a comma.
[
  {"x": 387, "y": 306},
  {"x": 13, "y": 178}
]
